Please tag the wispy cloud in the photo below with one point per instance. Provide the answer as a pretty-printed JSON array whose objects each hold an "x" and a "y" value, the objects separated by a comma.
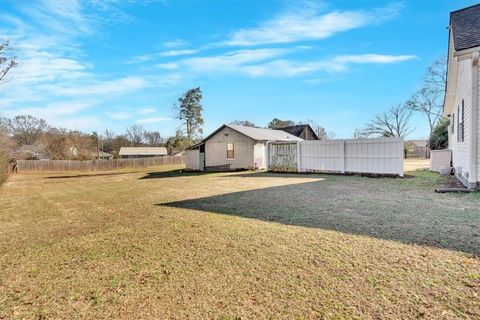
[
  {"x": 232, "y": 61},
  {"x": 266, "y": 63},
  {"x": 172, "y": 53},
  {"x": 308, "y": 24},
  {"x": 177, "y": 43},
  {"x": 147, "y": 110},
  {"x": 153, "y": 120},
  {"x": 118, "y": 115}
]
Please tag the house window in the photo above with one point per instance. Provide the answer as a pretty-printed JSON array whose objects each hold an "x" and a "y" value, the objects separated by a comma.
[
  {"x": 461, "y": 124},
  {"x": 230, "y": 152}
]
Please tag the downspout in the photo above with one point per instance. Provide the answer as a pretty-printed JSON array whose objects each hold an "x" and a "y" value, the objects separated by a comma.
[{"x": 474, "y": 123}]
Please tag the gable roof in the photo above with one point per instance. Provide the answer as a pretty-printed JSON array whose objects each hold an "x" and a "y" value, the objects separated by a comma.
[
  {"x": 465, "y": 24},
  {"x": 143, "y": 151},
  {"x": 261, "y": 133},
  {"x": 298, "y": 129}
]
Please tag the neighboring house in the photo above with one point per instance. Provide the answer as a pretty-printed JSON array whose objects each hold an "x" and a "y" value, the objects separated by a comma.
[
  {"x": 102, "y": 155},
  {"x": 303, "y": 131},
  {"x": 73, "y": 152},
  {"x": 142, "y": 152},
  {"x": 232, "y": 147},
  {"x": 462, "y": 94},
  {"x": 31, "y": 152}
]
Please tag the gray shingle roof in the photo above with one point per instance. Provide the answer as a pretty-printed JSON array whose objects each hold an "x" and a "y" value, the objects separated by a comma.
[
  {"x": 465, "y": 24},
  {"x": 143, "y": 151},
  {"x": 264, "y": 134},
  {"x": 298, "y": 129}
]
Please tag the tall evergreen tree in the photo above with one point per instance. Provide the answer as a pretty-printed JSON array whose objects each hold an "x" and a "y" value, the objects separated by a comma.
[{"x": 189, "y": 111}]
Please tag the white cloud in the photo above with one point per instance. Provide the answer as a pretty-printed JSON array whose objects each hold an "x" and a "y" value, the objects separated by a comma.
[
  {"x": 232, "y": 61},
  {"x": 265, "y": 63},
  {"x": 117, "y": 86},
  {"x": 308, "y": 24},
  {"x": 173, "y": 53},
  {"x": 153, "y": 120},
  {"x": 147, "y": 110},
  {"x": 118, "y": 115},
  {"x": 168, "y": 65},
  {"x": 140, "y": 59},
  {"x": 286, "y": 68},
  {"x": 177, "y": 43}
]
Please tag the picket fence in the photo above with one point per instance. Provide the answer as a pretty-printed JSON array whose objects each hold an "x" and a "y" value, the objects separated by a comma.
[
  {"x": 369, "y": 156},
  {"x": 95, "y": 165}
]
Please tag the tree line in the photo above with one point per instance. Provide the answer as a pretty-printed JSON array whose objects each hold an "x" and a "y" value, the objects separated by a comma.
[
  {"x": 428, "y": 101},
  {"x": 58, "y": 142}
]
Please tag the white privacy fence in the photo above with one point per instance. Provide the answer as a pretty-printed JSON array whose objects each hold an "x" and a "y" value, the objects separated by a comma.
[{"x": 373, "y": 156}]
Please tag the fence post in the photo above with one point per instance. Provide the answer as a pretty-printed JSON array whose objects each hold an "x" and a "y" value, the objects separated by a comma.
[{"x": 343, "y": 161}]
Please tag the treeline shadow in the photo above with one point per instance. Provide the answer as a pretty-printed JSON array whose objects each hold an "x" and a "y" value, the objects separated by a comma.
[{"x": 349, "y": 210}]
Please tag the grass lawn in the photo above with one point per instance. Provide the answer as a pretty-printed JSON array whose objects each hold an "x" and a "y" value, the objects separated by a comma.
[{"x": 158, "y": 244}]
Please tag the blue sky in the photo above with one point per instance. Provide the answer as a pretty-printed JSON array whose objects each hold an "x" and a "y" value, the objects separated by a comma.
[{"x": 92, "y": 64}]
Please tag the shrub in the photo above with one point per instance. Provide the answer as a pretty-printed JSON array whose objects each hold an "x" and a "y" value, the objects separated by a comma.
[{"x": 439, "y": 136}]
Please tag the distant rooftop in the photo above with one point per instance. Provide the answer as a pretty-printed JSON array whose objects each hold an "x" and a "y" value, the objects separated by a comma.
[
  {"x": 264, "y": 134},
  {"x": 143, "y": 151},
  {"x": 465, "y": 24},
  {"x": 298, "y": 129}
]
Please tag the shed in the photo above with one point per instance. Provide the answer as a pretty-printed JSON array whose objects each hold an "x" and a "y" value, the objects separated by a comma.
[
  {"x": 233, "y": 147},
  {"x": 303, "y": 131},
  {"x": 142, "y": 152}
]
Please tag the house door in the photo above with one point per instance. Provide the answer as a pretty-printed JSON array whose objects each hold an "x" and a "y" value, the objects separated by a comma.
[{"x": 201, "y": 166}]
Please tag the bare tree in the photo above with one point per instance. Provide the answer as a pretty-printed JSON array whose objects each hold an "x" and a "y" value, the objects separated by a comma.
[
  {"x": 7, "y": 60},
  {"x": 135, "y": 134},
  {"x": 320, "y": 131},
  {"x": 392, "y": 123},
  {"x": 153, "y": 138},
  {"x": 436, "y": 75},
  {"x": 25, "y": 129},
  {"x": 244, "y": 123},
  {"x": 429, "y": 99},
  {"x": 429, "y": 102},
  {"x": 359, "y": 133}
]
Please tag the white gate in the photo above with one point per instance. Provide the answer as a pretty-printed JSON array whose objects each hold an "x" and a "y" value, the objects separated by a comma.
[{"x": 282, "y": 157}]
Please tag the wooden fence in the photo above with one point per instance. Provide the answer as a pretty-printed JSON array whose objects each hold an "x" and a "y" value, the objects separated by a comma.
[
  {"x": 95, "y": 165},
  {"x": 372, "y": 156}
]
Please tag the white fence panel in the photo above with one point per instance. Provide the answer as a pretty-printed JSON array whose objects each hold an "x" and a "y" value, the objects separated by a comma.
[
  {"x": 374, "y": 156},
  {"x": 380, "y": 156},
  {"x": 321, "y": 155}
]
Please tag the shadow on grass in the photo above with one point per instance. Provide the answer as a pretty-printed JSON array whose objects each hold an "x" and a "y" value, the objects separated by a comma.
[
  {"x": 86, "y": 175},
  {"x": 357, "y": 208},
  {"x": 174, "y": 173}
]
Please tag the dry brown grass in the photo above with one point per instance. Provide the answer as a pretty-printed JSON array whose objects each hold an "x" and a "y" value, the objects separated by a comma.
[
  {"x": 416, "y": 164},
  {"x": 244, "y": 245}
]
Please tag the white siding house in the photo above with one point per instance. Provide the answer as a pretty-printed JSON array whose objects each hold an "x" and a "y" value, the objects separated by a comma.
[
  {"x": 462, "y": 94},
  {"x": 232, "y": 147}
]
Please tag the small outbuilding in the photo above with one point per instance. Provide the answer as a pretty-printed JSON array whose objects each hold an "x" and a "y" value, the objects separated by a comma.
[
  {"x": 233, "y": 147},
  {"x": 142, "y": 152}
]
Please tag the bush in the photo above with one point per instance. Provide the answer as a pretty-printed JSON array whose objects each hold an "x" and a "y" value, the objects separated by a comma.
[
  {"x": 6, "y": 146},
  {"x": 439, "y": 136}
]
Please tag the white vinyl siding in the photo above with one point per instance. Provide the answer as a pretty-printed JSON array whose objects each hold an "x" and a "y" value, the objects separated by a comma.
[
  {"x": 461, "y": 149},
  {"x": 216, "y": 146},
  {"x": 478, "y": 130}
]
